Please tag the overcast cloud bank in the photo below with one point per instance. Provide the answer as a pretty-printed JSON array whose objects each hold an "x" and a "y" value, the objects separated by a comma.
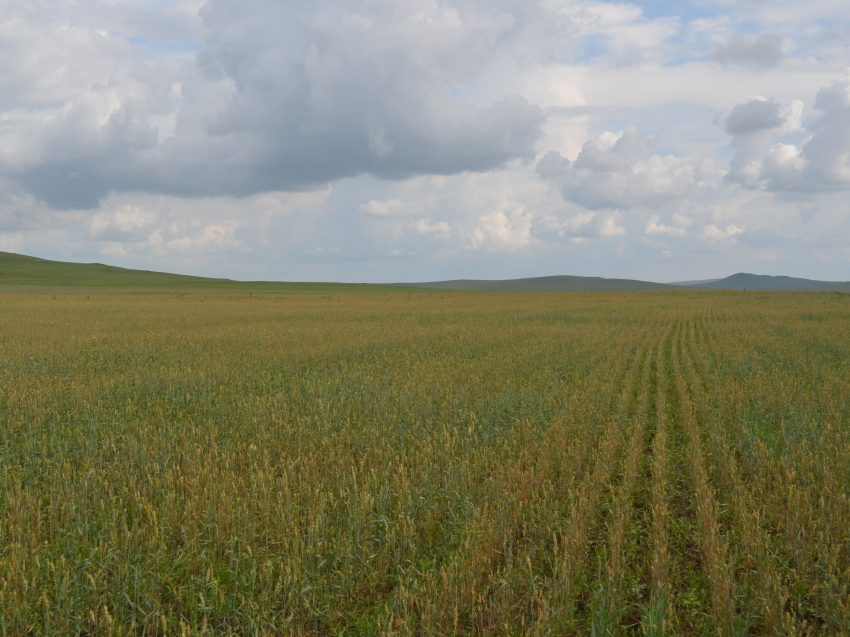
[{"x": 370, "y": 140}]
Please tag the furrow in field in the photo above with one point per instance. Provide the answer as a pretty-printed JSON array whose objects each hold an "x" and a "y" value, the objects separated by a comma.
[
  {"x": 759, "y": 594},
  {"x": 688, "y": 603},
  {"x": 782, "y": 506},
  {"x": 714, "y": 549},
  {"x": 655, "y": 615},
  {"x": 680, "y": 562},
  {"x": 794, "y": 486},
  {"x": 613, "y": 605},
  {"x": 572, "y": 564},
  {"x": 483, "y": 582}
]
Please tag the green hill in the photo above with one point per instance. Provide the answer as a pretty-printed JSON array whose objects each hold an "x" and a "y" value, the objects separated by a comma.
[
  {"x": 549, "y": 284},
  {"x": 18, "y": 270},
  {"x": 745, "y": 281},
  {"x": 31, "y": 273},
  {"x": 739, "y": 281}
]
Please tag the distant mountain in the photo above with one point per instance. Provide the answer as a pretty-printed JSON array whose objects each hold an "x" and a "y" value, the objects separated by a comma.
[
  {"x": 744, "y": 281},
  {"x": 548, "y": 284}
]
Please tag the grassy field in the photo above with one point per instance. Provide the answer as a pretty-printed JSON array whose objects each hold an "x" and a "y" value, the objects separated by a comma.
[{"x": 653, "y": 463}]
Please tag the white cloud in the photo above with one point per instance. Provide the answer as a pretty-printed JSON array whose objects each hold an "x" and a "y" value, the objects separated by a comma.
[
  {"x": 620, "y": 171},
  {"x": 11, "y": 241},
  {"x": 825, "y": 155},
  {"x": 125, "y": 223},
  {"x": 592, "y": 225},
  {"x": 609, "y": 228},
  {"x": 501, "y": 231},
  {"x": 819, "y": 164},
  {"x": 113, "y": 249},
  {"x": 211, "y": 238},
  {"x": 624, "y": 26},
  {"x": 753, "y": 124},
  {"x": 654, "y": 226},
  {"x": 234, "y": 141},
  {"x": 283, "y": 97},
  {"x": 438, "y": 229},
  {"x": 716, "y": 234},
  {"x": 783, "y": 164},
  {"x": 391, "y": 208},
  {"x": 683, "y": 221},
  {"x": 575, "y": 224}
]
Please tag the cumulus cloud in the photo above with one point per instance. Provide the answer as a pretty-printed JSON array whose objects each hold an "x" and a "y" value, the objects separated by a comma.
[
  {"x": 783, "y": 166},
  {"x": 823, "y": 162},
  {"x": 501, "y": 231},
  {"x": 753, "y": 124},
  {"x": 284, "y": 96},
  {"x": 716, "y": 234},
  {"x": 591, "y": 224},
  {"x": 390, "y": 208},
  {"x": 754, "y": 115},
  {"x": 759, "y": 53},
  {"x": 620, "y": 171},
  {"x": 819, "y": 164},
  {"x": 654, "y": 226},
  {"x": 11, "y": 241},
  {"x": 125, "y": 223},
  {"x": 610, "y": 228},
  {"x": 217, "y": 142},
  {"x": 438, "y": 229},
  {"x": 100, "y": 140}
]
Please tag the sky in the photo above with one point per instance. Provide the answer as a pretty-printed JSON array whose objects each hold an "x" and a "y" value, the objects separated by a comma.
[{"x": 420, "y": 140}]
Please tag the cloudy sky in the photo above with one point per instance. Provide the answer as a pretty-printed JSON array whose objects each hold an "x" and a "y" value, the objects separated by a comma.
[{"x": 410, "y": 140}]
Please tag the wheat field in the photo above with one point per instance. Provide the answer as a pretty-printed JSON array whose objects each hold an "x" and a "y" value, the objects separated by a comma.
[{"x": 659, "y": 463}]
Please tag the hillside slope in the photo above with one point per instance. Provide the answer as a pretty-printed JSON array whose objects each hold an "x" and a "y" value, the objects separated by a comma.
[
  {"x": 745, "y": 281},
  {"x": 19, "y": 270},
  {"x": 561, "y": 283},
  {"x": 740, "y": 281}
]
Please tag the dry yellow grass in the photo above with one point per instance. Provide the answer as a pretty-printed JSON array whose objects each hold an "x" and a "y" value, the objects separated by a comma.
[{"x": 661, "y": 463}]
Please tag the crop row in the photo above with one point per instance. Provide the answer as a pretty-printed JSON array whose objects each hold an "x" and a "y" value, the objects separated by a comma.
[{"x": 473, "y": 464}]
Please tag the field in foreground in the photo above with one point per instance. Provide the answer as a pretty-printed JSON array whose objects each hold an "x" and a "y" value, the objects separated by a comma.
[{"x": 659, "y": 463}]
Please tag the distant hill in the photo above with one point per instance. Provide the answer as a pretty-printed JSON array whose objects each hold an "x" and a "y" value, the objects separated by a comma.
[
  {"x": 19, "y": 270},
  {"x": 739, "y": 281},
  {"x": 744, "y": 281},
  {"x": 692, "y": 283},
  {"x": 548, "y": 284}
]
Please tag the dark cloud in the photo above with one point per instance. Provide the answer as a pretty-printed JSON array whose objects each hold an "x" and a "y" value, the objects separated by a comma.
[
  {"x": 821, "y": 163},
  {"x": 763, "y": 52},
  {"x": 753, "y": 125},
  {"x": 754, "y": 115},
  {"x": 286, "y": 96}
]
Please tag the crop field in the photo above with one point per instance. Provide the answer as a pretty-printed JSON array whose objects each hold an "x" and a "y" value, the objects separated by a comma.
[{"x": 645, "y": 463}]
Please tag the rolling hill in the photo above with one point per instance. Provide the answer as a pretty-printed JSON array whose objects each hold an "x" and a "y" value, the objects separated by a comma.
[
  {"x": 741, "y": 281},
  {"x": 18, "y": 270},
  {"x": 744, "y": 281},
  {"x": 548, "y": 284}
]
